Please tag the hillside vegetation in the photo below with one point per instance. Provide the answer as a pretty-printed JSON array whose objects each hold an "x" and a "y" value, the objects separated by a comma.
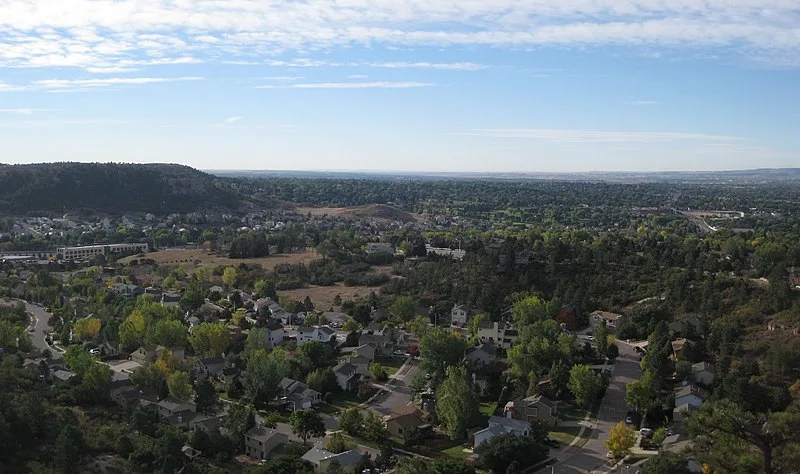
[{"x": 110, "y": 188}]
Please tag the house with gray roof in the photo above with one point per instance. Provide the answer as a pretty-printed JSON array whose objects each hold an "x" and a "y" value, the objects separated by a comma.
[
  {"x": 260, "y": 442},
  {"x": 499, "y": 425},
  {"x": 346, "y": 375},
  {"x": 322, "y": 459}
]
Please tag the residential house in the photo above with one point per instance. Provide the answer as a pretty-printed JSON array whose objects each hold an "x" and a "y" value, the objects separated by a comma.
[
  {"x": 144, "y": 355},
  {"x": 361, "y": 364},
  {"x": 384, "y": 346},
  {"x": 681, "y": 348},
  {"x": 523, "y": 259},
  {"x": 502, "y": 333},
  {"x": 172, "y": 406},
  {"x": 296, "y": 395},
  {"x": 318, "y": 333},
  {"x": 681, "y": 412},
  {"x": 688, "y": 394},
  {"x": 703, "y": 373},
  {"x": 482, "y": 357},
  {"x": 536, "y": 407},
  {"x": 322, "y": 459},
  {"x": 193, "y": 321},
  {"x": 129, "y": 396},
  {"x": 336, "y": 319},
  {"x": 403, "y": 420},
  {"x": 481, "y": 383},
  {"x": 459, "y": 315},
  {"x": 62, "y": 376},
  {"x": 126, "y": 290},
  {"x": 346, "y": 375},
  {"x": 366, "y": 351},
  {"x": 611, "y": 320},
  {"x": 170, "y": 298},
  {"x": 209, "y": 366},
  {"x": 499, "y": 425},
  {"x": 379, "y": 248},
  {"x": 229, "y": 375},
  {"x": 260, "y": 442}
]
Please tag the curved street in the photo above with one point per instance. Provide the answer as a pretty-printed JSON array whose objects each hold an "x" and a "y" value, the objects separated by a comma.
[
  {"x": 591, "y": 458},
  {"x": 41, "y": 328}
]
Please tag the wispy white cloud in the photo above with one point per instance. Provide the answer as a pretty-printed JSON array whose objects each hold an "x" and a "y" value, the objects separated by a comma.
[
  {"x": 232, "y": 120},
  {"x": 103, "y": 33},
  {"x": 25, "y": 111},
  {"x": 106, "y": 82},
  {"x": 644, "y": 102},
  {"x": 600, "y": 136},
  {"x": 110, "y": 70},
  {"x": 357, "y": 76},
  {"x": 284, "y": 78},
  {"x": 426, "y": 65},
  {"x": 351, "y": 85}
]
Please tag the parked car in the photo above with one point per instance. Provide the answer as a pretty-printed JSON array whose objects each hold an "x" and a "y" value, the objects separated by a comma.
[
  {"x": 629, "y": 420},
  {"x": 638, "y": 349},
  {"x": 552, "y": 443},
  {"x": 589, "y": 338},
  {"x": 47, "y": 309},
  {"x": 646, "y": 432},
  {"x": 95, "y": 351}
]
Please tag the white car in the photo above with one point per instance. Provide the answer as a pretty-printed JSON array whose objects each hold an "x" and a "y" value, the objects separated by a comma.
[
  {"x": 94, "y": 352},
  {"x": 646, "y": 432},
  {"x": 589, "y": 338}
]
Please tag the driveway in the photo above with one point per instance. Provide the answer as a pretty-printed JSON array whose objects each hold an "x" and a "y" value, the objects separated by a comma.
[
  {"x": 592, "y": 456},
  {"x": 398, "y": 389},
  {"x": 41, "y": 329}
]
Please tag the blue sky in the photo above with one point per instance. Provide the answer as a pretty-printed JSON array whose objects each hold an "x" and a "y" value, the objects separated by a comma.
[{"x": 434, "y": 85}]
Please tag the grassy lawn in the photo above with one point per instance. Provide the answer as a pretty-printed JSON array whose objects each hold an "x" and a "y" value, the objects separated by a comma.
[
  {"x": 487, "y": 410},
  {"x": 565, "y": 435},
  {"x": 457, "y": 452},
  {"x": 392, "y": 365},
  {"x": 344, "y": 400}
]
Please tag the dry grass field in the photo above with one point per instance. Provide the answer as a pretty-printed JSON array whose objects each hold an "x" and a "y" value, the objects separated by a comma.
[
  {"x": 378, "y": 212},
  {"x": 194, "y": 257},
  {"x": 323, "y": 296}
]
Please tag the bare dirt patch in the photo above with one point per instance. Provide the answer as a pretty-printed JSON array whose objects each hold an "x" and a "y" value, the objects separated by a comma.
[
  {"x": 323, "y": 296},
  {"x": 195, "y": 257}
]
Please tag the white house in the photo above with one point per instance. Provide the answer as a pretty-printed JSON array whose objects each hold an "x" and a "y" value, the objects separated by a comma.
[
  {"x": 611, "y": 320},
  {"x": 379, "y": 248},
  {"x": 297, "y": 396},
  {"x": 322, "y": 459},
  {"x": 502, "y": 333},
  {"x": 346, "y": 375},
  {"x": 317, "y": 333},
  {"x": 459, "y": 315},
  {"x": 499, "y": 425}
]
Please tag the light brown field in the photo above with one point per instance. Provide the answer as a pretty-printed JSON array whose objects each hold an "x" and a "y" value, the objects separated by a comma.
[
  {"x": 377, "y": 212},
  {"x": 323, "y": 296},
  {"x": 194, "y": 257}
]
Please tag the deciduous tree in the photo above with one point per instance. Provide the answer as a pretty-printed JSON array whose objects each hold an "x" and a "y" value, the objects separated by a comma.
[
  {"x": 307, "y": 424},
  {"x": 404, "y": 308},
  {"x": 441, "y": 349},
  {"x": 351, "y": 421},
  {"x": 179, "y": 385},
  {"x": 86, "y": 328},
  {"x": 620, "y": 440},
  {"x": 457, "y": 403},
  {"x": 210, "y": 339},
  {"x": 585, "y": 384}
]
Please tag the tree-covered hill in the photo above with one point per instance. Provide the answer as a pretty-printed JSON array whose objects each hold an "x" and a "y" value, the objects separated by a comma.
[{"x": 114, "y": 188}]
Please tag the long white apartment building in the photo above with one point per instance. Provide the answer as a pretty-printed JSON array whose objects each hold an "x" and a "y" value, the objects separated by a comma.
[{"x": 87, "y": 251}]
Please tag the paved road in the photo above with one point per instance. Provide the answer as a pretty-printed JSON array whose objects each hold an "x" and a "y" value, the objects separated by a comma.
[
  {"x": 592, "y": 456},
  {"x": 399, "y": 386},
  {"x": 41, "y": 329}
]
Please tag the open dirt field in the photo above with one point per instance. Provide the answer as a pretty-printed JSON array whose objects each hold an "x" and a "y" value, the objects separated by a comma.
[
  {"x": 323, "y": 296},
  {"x": 204, "y": 257}
]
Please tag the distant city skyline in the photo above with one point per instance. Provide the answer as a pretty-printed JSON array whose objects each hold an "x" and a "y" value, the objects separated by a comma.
[{"x": 383, "y": 85}]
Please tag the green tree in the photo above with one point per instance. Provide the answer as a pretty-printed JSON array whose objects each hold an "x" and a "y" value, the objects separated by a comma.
[
  {"x": 441, "y": 349},
  {"x": 601, "y": 339},
  {"x": 322, "y": 380},
  {"x": 456, "y": 402},
  {"x": 307, "y": 424},
  {"x": 721, "y": 428},
  {"x": 285, "y": 465},
  {"x": 133, "y": 330},
  {"x": 67, "y": 452},
  {"x": 351, "y": 325},
  {"x": 265, "y": 289},
  {"x": 643, "y": 394},
  {"x": 78, "y": 360},
  {"x": 179, "y": 385},
  {"x": 620, "y": 440},
  {"x": 229, "y": 277},
  {"x": 501, "y": 451},
  {"x": 530, "y": 310},
  {"x": 86, "y": 328},
  {"x": 210, "y": 339},
  {"x": 418, "y": 465},
  {"x": 374, "y": 427},
  {"x": 585, "y": 384},
  {"x": 239, "y": 421},
  {"x": 378, "y": 373},
  {"x": 313, "y": 354},
  {"x": 351, "y": 421},
  {"x": 338, "y": 444},
  {"x": 206, "y": 397},
  {"x": 666, "y": 463},
  {"x": 559, "y": 377},
  {"x": 404, "y": 308},
  {"x": 193, "y": 297},
  {"x": 261, "y": 378},
  {"x": 170, "y": 333},
  {"x": 418, "y": 326}
]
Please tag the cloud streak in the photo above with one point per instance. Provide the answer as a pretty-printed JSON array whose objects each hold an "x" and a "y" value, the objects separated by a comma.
[
  {"x": 600, "y": 136},
  {"x": 25, "y": 111},
  {"x": 232, "y": 120},
  {"x": 98, "y": 34},
  {"x": 351, "y": 85}
]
